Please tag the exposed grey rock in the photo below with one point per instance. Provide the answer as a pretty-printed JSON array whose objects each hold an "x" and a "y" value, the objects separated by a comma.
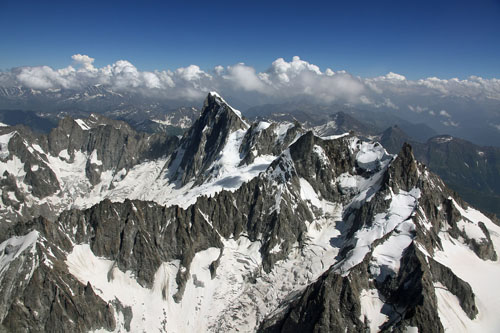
[
  {"x": 54, "y": 301},
  {"x": 456, "y": 286},
  {"x": 411, "y": 295},
  {"x": 270, "y": 209},
  {"x": 483, "y": 248},
  {"x": 126, "y": 311},
  {"x": 39, "y": 294},
  {"x": 39, "y": 176},
  {"x": 331, "y": 304},
  {"x": 403, "y": 171},
  {"x": 15, "y": 277},
  {"x": 115, "y": 144},
  {"x": 266, "y": 141},
  {"x": 311, "y": 166},
  {"x": 202, "y": 143},
  {"x": 469, "y": 169}
]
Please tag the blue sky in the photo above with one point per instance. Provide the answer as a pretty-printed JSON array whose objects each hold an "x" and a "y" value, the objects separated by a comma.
[{"x": 417, "y": 39}]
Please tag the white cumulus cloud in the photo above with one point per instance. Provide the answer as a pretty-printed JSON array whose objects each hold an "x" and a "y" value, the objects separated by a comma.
[
  {"x": 85, "y": 61},
  {"x": 281, "y": 82},
  {"x": 245, "y": 78}
]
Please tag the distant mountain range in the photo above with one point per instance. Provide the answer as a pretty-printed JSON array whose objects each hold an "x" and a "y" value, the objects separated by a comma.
[
  {"x": 367, "y": 122},
  {"x": 456, "y": 116},
  {"x": 49, "y": 106},
  {"x": 471, "y": 170},
  {"x": 475, "y": 176}
]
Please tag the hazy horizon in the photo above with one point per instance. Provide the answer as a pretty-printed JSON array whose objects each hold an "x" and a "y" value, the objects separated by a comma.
[{"x": 429, "y": 62}]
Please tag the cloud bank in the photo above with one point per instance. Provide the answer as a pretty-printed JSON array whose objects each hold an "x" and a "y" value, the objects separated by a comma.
[
  {"x": 282, "y": 81},
  {"x": 467, "y": 107}
]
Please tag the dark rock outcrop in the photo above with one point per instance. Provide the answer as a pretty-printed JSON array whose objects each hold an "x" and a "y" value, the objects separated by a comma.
[
  {"x": 271, "y": 209},
  {"x": 54, "y": 301},
  {"x": 331, "y": 304},
  {"x": 202, "y": 143}
]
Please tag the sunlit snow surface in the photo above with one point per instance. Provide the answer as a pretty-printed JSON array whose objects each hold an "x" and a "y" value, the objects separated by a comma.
[
  {"x": 209, "y": 304},
  {"x": 4, "y": 142},
  {"x": 371, "y": 308},
  {"x": 482, "y": 275},
  {"x": 146, "y": 181},
  {"x": 229, "y": 302},
  {"x": 14, "y": 247}
]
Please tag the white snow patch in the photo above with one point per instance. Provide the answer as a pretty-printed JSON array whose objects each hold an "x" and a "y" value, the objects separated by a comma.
[
  {"x": 443, "y": 139},
  {"x": 472, "y": 230},
  {"x": 12, "y": 196},
  {"x": 335, "y": 137},
  {"x": 386, "y": 256},
  {"x": 322, "y": 155},
  {"x": 38, "y": 148},
  {"x": 109, "y": 282},
  {"x": 14, "y": 247},
  {"x": 276, "y": 248},
  {"x": 480, "y": 274},
  {"x": 370, "y": 154},
  {"x": 64, "y": 154},
  {"x": 307, "y": 193},
  {"x": 4, "y": 144},
  {"x": 325, "y": 128},
  {"x": 226, "y": 303},
  {"x": 450, "y": 312},
  {"x": 470, "y": 224},
  {"x": 348, "y": 181},
  {"x": 263, "y": 125},
  {"x": 282, "y": 129},
  {"x": 204, "y": 303},
  {"x": 94, "y": 159},
  {"x": 71, "y": 176},
  {"x": 229, "y": 157},
  {"x": 82, "y": 124},
  {"x": 371, "y": 309},
  {"x": 147, "y": 181},
  {"x": 401, "y": 208},
  {"x": 15, "y": 167}
]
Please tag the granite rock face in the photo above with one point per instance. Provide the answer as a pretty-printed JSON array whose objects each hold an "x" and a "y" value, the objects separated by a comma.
[
  {"x": 37, "y": 165},
  {"x": 334, "y": 235},
  {"x": 408, "y": 295},
  {"x": 471, "y": 170},
  {"x": 331, "y": 304},
  {"x": 39, "y": 294},
  {"x": 207, "y": 137}
]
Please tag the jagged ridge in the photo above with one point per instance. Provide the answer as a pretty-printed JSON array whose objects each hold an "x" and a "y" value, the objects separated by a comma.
[{"x": 334, "y": 234}]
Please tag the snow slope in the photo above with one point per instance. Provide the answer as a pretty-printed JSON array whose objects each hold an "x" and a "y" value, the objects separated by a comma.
[{"x": 242, "y": 294}]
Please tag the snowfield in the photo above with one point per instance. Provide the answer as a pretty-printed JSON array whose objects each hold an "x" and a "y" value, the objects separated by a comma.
[{"x": 241, "y": 294}]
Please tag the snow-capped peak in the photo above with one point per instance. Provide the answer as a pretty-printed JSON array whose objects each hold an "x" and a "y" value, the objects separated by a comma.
[{"x": 214, "y": 97}]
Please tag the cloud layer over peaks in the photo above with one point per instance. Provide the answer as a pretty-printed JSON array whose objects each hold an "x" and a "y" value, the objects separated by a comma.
[{"x": 282, "y": 81}]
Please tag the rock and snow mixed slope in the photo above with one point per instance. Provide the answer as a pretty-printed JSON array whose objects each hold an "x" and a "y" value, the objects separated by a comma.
[
  {"x": 85, "y": 161},
  {"x": 237, "y": 226}
]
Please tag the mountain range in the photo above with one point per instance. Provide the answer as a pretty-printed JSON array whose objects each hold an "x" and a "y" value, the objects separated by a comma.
[
  {"x": 475, "y": 178},
  {"x": 268, "y": 226},
  {"x": 471, "y": 170}
]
